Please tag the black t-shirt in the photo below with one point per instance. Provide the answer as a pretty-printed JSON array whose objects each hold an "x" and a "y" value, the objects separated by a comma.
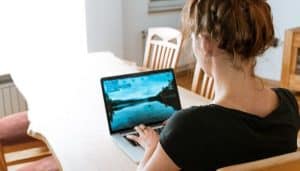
[{"x": 206, "y": 138}]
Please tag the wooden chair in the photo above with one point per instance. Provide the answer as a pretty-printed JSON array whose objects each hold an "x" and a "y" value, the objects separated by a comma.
[
  {"x": 298, "y": 140},
  {"x": 13, "y": 139},
  {"x": 162, "y": 48},
  {"x": 47, "y": 163},
  {"x": 286, "y": 162},
  {"x": 290, "y": 76},
  {"x": 202, "y": 83}
]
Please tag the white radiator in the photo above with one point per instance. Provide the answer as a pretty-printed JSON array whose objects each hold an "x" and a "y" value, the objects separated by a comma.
[{"x": 11, "y": 100}]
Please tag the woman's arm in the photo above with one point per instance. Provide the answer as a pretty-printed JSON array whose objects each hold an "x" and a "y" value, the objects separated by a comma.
[
  {"x": 155, "y": 158},
  {"x": 159, "y": 161}
]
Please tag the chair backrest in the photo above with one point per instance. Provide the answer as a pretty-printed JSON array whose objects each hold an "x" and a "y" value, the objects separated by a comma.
[
  {"x": 41, "y": 151},
  {"x": 298, "y": 138},
  {"x": 288, "y": 162},
  {"x": 202, "y": 83},
  {"x": 162, "y": 48},
  {"x": 14, "y": 141},
  {"x": 290, "y": 75}
]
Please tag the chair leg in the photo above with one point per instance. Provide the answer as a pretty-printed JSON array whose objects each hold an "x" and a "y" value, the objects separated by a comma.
[{"x": 2, "y": 159}]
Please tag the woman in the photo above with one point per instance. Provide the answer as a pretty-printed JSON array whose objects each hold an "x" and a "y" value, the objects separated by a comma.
[{"x": 246, "y": 121}]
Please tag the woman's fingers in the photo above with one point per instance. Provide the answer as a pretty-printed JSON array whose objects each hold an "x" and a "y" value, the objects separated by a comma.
[
  {"x": 139, "y": 130},
  {"x": 133, "y": 137},
  {"x": 147, "y": 137},
  {"x": 142, "y": 126}
]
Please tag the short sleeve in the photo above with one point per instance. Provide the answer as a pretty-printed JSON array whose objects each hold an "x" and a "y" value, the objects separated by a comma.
[
  {"x": 291, "y": 99},
  {"x": 174, "y": 137}
]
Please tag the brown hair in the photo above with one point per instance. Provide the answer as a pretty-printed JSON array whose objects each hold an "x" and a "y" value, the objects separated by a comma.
[{"x": 243, "y": 28}]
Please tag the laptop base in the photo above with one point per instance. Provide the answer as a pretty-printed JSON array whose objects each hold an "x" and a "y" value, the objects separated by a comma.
[{"x": 135, "y": 153}]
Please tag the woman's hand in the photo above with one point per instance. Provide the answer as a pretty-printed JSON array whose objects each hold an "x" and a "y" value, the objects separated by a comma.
[
  {"x": 155, "y": 158},
  {"x": 147, "y": 138}
]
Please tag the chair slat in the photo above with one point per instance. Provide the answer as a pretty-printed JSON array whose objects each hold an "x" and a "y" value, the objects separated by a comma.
[
  {"x": 166, "y": 58},
  {"x": 171, "y": 62},
  {"x": 162, "y": 58},
  {"x": 157, "y": 57},
  {"x": 209, "y": 88},
  {"x": 153, "y": 55},
  {"x": 32, "y": 158},
  {"x": 23, "y": 146},
  {"x": 3, "y": 165},
  {"x": 211, "y": 91},
  {"x": 202, "y": 83}
]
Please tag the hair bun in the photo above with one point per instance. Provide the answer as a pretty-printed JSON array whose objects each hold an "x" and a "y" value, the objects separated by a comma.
[{"x": 243, "y": 28}]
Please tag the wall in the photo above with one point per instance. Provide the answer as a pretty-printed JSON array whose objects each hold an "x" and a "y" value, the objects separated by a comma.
[
  {"x": 116, "y": 26},
  {"x": 136, "y": 18},
  {"x": 34, "y": 33},
  {"x": 104, "y": 26},
  {"x": 286, "y": 15}
]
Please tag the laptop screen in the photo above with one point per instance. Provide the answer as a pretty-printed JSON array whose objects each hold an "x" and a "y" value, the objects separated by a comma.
[{"x": 133, "y": 99}]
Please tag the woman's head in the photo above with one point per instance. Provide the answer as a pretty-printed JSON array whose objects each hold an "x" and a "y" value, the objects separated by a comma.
[{"x": 241, "y": 28}]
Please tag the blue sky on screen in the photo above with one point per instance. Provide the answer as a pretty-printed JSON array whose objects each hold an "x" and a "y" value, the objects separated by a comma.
[{"x": 137, "y": 87}]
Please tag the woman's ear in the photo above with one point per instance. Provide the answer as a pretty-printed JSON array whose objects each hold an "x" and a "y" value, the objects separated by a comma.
[{"x": 207, "y": 45}]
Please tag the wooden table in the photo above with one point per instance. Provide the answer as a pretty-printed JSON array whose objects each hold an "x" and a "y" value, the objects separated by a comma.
[{"x": 66, "y": 109}]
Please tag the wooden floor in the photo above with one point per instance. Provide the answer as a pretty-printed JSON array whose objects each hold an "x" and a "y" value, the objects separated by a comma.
[{"x": 185, "y": 78}]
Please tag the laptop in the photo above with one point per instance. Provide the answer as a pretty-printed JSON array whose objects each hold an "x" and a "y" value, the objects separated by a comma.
[{"x": 148, "y": 98}]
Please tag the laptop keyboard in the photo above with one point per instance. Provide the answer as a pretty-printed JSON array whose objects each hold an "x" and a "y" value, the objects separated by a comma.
[
  {"x": 131, "y": 141},
  {"x": 158, "y": 130}
]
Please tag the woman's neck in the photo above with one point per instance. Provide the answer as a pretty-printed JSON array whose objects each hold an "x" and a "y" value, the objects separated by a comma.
[{"x": 232, "y": 85}]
